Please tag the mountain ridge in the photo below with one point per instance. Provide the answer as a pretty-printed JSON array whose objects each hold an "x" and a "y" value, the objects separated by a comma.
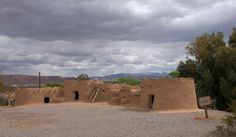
[{"x": 21, "y": 80}]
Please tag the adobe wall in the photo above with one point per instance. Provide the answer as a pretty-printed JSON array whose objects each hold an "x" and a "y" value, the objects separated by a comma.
[
  {"x": 134, "y": 96},
  {"x": 107, "y": 91},
  {"x": 128, "y": 95},
  {"x": 84, "y": 87},
  {"x": 169, "y": 94},
  {"x": 27, "y": 96}
]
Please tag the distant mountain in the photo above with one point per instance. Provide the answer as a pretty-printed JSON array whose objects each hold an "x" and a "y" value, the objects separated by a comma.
[
  {"x": 139, "y": 76},
  {"x": 32, "y": 81}
]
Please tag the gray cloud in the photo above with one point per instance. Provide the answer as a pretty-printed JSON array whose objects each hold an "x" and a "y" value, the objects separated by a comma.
[{"x": 99, "y": 36}]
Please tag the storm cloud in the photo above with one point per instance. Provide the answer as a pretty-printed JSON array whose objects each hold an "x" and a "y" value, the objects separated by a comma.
[{"x": 100, "y": 36}]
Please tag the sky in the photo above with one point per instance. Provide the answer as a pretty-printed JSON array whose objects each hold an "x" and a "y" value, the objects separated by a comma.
[{"x": 100, "y": 37}]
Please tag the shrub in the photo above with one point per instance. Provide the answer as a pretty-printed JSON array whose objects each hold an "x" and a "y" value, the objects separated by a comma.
[
  {"x": 128, "y": 81},
  {"x": 3, "y": 102},
  {"x": 174, "y": 74},
  {"x": 54, "y": 85},
  {"x": 229, "y": 127},
  {"x": 82, "y": 77}
]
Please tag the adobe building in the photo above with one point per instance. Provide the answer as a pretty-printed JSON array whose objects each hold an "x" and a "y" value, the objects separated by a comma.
[
  {"x": 168, "y": 94},
  {"x": 89, "y": 90},
  {"x": 79, "y": 90},
  {"x": 154, "y": 94},
  {"x": 74, "y": 90}
]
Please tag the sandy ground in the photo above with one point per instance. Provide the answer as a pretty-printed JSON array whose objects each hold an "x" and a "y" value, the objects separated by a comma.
[{"x": 102, "y": 120}]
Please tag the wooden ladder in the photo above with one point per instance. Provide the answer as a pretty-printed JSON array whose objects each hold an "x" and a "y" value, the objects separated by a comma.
[{"x": 94, "y": 93}]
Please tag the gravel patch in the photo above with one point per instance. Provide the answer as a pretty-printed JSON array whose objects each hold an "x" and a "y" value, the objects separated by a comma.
[{"x": 102, "y": 120}]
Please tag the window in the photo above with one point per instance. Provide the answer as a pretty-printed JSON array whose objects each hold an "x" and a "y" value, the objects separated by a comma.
[{"x": 46, "y": 99}]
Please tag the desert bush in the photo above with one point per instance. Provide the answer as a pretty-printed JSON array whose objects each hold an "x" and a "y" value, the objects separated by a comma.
[{"x": 228, "y": 129}]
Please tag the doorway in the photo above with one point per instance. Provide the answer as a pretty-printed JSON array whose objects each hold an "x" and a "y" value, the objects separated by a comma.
[
  {"x": 150, "y": 101},
  {"x": 46, "y": 100},
  {"x": 76, "y": 95}
]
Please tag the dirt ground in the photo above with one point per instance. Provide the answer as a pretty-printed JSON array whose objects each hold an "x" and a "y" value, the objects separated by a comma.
[{"x": 102, "y": 120}]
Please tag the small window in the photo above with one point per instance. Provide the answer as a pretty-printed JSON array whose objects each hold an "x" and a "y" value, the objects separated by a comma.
[{"x": 46, "y": 99}]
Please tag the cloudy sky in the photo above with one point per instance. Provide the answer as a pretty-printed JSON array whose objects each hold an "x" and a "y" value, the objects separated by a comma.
[{"x": 68, "y": 37}]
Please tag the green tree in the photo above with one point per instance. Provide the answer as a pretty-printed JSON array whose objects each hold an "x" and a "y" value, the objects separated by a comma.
[
  {"x": 232, "y": 39},
  {"x": 174, "y": 74},
  {"x": 204, "y": 49},
  {"x": 128, "y": 81},
  {"x": 213, "y": 67},
  {"x": 3, "y": 101},
  {"x": 83, "y": 77},
  {"x": 226, "y": 76},
  {"x": 189, "y": 68},
  {"x": 6, "y": 92}
]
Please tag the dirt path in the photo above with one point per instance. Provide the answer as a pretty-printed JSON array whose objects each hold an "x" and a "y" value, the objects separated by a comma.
[{"x": 101, "y": 120}]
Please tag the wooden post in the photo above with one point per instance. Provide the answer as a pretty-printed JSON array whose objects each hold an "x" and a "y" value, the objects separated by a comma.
[
  {"x": 206, "y": 113},
  {"x": 39, "y": 80}
]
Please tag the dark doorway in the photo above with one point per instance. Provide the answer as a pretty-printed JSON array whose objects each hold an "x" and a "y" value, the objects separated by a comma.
[
  {"x": 150, "y": 101},
  {"x": 76, "y": 95},
  {"x": 46, "y": 99}
]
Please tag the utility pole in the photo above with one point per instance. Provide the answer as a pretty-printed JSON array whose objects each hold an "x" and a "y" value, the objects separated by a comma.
[{"x": 39, "y": 80}]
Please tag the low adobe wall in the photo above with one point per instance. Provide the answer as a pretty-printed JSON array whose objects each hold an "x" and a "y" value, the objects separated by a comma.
[
  {"x": 27, "y": 96},
  {"x": 168, "y": 94},
  {"x": 134, "y": 100},
  {"x": 134, "y": 96},
  {"x": 128, "y": 95},
  {"x": 107, "y": 91}
]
